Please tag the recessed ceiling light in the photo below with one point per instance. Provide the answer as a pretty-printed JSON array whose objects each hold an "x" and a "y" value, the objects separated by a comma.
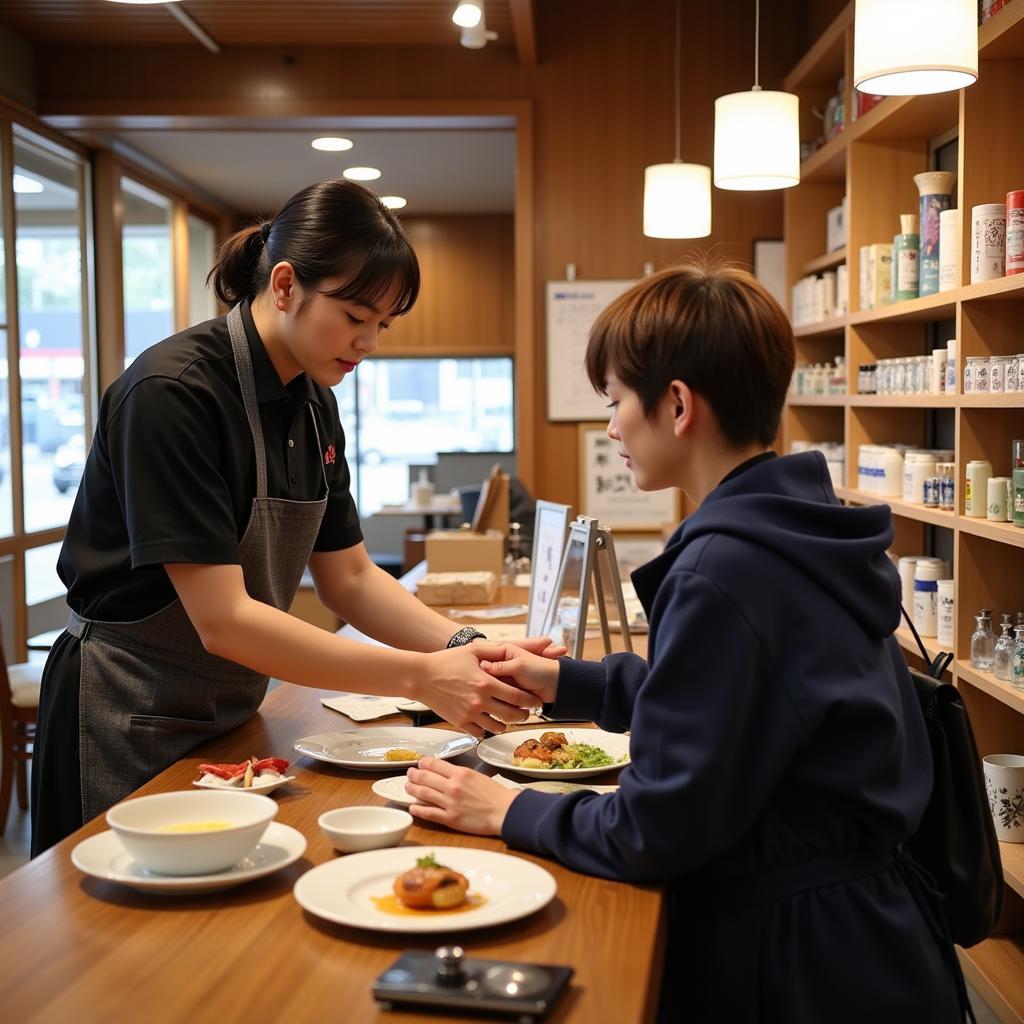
[
  {"x": 332, "y": 144},
  {"x": 361, "y": 173},
  {"x": 467, "y": 15},
  {"x": 393, "y": 202},
  {"x": 25, "y": 185}
]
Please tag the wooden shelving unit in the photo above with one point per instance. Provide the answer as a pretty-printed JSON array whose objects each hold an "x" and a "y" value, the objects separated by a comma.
[
  {"x": 873, "y": 163},
  {"x": 826, "y": 262}
]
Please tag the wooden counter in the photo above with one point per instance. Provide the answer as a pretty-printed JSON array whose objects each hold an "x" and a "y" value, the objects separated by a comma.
[{"x": 76, "y": 950}]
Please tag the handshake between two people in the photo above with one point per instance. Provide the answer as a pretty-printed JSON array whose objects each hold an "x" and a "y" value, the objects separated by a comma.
[{"x": 484, "y": 686}]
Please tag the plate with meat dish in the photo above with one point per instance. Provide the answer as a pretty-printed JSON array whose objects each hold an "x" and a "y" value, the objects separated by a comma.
[
  {"x": 425, "y": 889},
  {"x": 556, "y": 753}
]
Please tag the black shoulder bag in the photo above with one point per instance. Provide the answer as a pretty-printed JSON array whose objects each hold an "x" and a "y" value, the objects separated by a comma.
[{"x": 956, "y": 840}]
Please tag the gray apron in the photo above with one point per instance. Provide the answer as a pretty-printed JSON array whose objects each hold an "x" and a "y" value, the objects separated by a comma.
[{"x": 149, "y": 690}]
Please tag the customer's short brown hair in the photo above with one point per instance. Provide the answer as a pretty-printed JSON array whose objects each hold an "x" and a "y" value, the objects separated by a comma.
[{"x": 711, "y": 325}]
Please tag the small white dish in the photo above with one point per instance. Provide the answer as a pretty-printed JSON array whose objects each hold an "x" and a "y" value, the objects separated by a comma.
[
  {"x": 143, "y": 825},
  {"x": 264, "y": 788},
  {"x": 104, "y": 856},
  {"x": 355, "y": 829},
  {"x": 343, "y": 890},
  {"x": 393, "y": 789},
  {"x": 365, "y": 749},
  {"x": 497, "y": 751}
]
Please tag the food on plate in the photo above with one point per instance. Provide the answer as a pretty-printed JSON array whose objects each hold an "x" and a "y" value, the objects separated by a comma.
[
  {"x": 431, "y": 886},
  {"x": 553, "y": 751},
  {"x": 245, "y": 774},
  {"x": 401, "y": 754}
]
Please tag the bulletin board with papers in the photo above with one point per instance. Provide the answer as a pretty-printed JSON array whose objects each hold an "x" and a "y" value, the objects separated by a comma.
[{"x": 572, "y": 308}]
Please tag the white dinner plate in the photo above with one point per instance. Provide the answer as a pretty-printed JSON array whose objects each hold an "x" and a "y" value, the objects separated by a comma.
[
  {"x": 342, "y": 890},
  {"x": 266, "y": 788},
  {"x": 497, "y": 751},
  {"x": 103, "y": 856},
  {"x": 393, "y": 789},
  {"x": 365, "y": 748}
]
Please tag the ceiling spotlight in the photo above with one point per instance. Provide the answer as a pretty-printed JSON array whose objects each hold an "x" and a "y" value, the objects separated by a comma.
[
  {"x": 468, "y": 15},
  {"x": 393, "y": 202},
  {"x": 361, "y": 173},
  {"x": 331, "y": 144}
]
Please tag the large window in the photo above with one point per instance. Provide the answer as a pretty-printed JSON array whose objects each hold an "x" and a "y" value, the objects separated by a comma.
[
  {"x": 49, "y": 196},
  {"x": 402, "y": 412},
  {"x": 202, "y": 249},
  {"x": 148, "y": 268}
]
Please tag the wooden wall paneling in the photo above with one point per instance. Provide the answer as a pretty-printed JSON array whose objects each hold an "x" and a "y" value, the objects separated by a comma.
[
  {"x": 466, "y": 303},
  {"x": 991, "y": 327},
  {"x": 991, "y": 143},
  {"x": 995, "y": 731},
  {"x": 804, "y": 225},
  {"x": 527, "y": 345},
  {"x": 988, "y": 433},
  {"x": 602, "y": 107},
  {"x": 991, "y": 576},
  {"x": 881, "y": 187},
  {"x": 870, "y": 342}
]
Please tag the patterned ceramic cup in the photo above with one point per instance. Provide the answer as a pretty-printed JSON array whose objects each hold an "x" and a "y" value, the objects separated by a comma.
[{"x": 1004, "y": 782}]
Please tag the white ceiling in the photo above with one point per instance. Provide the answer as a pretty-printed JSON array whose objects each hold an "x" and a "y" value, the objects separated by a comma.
[{"x": 437, "y": 171}]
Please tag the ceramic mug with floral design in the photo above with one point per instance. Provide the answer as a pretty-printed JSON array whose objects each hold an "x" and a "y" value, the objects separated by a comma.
[{"x": 1004, "y": 782}]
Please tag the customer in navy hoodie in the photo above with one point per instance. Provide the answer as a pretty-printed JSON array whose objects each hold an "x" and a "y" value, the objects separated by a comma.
[{"x": 778, "y": 756}]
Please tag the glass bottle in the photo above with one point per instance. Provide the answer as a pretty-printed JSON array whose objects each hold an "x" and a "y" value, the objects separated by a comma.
[
  {"x": 513, "y": 555},
  {"x": 1002, "y": 664},
  {"x": 983, "y": 641},
  {"x": 1018, "y": 657}
]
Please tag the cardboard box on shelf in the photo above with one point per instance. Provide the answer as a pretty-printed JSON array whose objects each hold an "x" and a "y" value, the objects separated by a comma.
[{"x": 464, "y": 551}]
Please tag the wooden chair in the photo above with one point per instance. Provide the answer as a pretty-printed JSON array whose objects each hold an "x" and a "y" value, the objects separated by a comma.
[{"x": 19, "y": 705}]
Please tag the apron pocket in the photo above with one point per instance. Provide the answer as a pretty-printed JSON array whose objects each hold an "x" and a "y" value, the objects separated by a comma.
[{"x": 167, "y": 724}]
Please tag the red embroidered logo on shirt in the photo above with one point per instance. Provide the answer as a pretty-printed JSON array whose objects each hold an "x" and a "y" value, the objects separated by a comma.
[{"x": 329, "y": 455}]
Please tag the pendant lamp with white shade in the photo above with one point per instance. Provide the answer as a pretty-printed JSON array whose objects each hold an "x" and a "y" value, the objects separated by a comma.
[
  {"x": 757, "y": 134},
  {"x": 677, "y": 196},
  {"x": 914, "y": 47}
]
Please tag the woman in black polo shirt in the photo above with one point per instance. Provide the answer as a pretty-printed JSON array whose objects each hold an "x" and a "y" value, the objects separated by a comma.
[{"x": 216, "y": 474}]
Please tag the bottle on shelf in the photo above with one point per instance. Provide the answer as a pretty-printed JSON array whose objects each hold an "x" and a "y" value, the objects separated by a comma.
[
  {"x": 1002, "y": 664},
  {"x": 1018, "y": 657},
  {"x": 983, "y": 641}
]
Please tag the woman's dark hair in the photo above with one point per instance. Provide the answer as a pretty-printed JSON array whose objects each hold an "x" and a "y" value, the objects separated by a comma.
[
  {"x": 711, "y": 325},
  {"x": 335, "y": 228}
]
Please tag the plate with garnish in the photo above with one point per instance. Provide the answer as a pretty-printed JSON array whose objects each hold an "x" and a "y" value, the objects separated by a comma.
[
  {"x": 556, "y": 753},
  {"x": 425, "y": 889},
  {"x": 384, "y": 748}
]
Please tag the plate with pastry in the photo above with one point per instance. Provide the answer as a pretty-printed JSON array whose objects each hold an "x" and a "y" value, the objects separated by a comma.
[
  {"x": 556, "y": 753},
  {"x": 425, "y": 889},
  {"x": 384, "y": 748}
]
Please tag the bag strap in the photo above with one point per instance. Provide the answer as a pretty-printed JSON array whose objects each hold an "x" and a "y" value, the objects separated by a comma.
[{"x": 941, "y": 661}]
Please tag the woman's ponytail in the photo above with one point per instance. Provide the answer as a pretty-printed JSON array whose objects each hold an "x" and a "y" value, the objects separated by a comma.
[{"x": 235, "y": 274}]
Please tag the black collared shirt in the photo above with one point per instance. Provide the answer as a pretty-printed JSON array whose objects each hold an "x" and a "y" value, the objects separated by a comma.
[{"x": 171, "y": 475}]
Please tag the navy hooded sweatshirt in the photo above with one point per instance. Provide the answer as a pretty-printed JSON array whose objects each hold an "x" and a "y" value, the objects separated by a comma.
[{"x": 774, "y": 728}]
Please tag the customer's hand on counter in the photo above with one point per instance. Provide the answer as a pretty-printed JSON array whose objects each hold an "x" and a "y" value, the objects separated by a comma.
[
  {"x": 460, "y": 798},
  {"x": 453, "y": 684},
  {"x": 516, "y": 664}
]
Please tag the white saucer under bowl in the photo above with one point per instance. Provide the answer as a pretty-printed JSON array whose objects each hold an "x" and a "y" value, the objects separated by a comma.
[{"x": 103, "y": 856}]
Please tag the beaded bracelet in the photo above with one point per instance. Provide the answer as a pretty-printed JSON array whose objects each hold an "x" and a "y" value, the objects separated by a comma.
[{"x": 465, "y": 636}]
